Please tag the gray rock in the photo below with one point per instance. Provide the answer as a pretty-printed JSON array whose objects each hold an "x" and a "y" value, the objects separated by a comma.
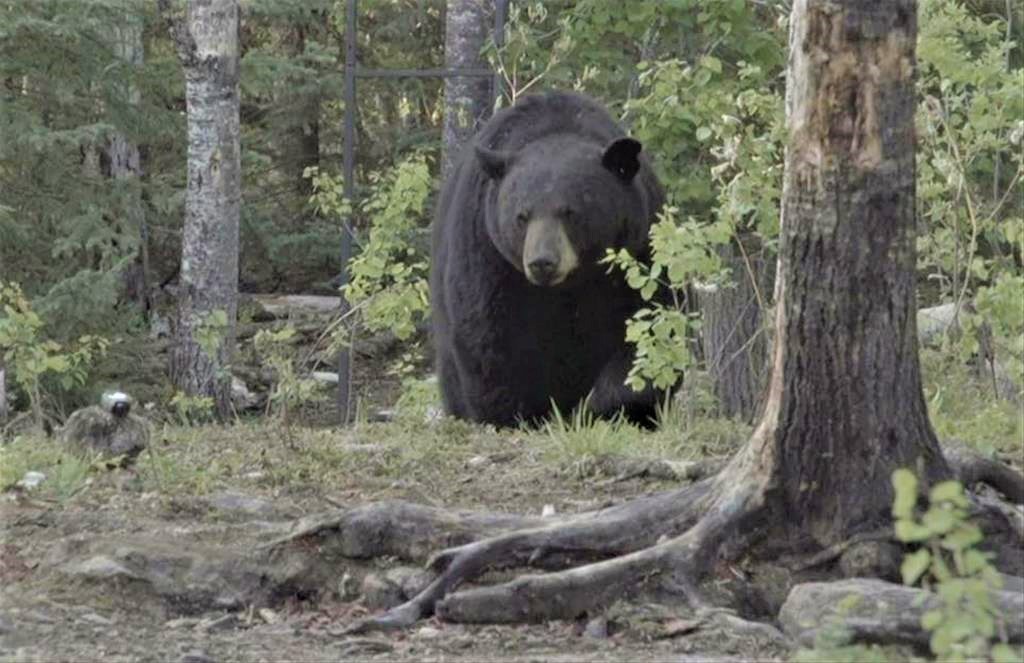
[
  {"x": 31, "y": 480},
  {"x": 871, "y": 559},
  {"x": 99, "y": 567},
  {"x": 872, "y": 610},
  {"x": 410, "y": 580},
  {"x": 596, "y": 628},
  {"x": 379, "y": 593},
  {"x": 244, "y": 505},
  {"x": 93, "y": 618},
  {"x": 241, "y": 396},
  {"x": 191, "y": 578}
]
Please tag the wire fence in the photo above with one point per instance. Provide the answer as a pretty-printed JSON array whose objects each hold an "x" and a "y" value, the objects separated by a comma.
[{"x": 353, "y": 72}]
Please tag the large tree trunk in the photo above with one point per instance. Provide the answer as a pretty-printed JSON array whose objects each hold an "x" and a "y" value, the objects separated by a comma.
[
  {"x": 467, "y": 101},
  {"x": 845, "y": 406},
  {"x": 207, "y": 43}
]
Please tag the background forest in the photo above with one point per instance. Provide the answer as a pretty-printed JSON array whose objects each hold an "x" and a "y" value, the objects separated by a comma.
[{"x": 94, "y": 253}]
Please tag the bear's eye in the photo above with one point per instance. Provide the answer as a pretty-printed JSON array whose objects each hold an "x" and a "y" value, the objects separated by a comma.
[{"x": 522, "y": 218}]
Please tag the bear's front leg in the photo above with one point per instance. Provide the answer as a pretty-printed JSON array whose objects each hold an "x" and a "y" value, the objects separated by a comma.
[{"x": 611, "y": 395}]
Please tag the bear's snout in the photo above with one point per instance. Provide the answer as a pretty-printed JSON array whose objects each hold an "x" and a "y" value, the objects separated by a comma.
[
  {"x": 548, "y": 255},
  {"x": 542, "y": 270}
]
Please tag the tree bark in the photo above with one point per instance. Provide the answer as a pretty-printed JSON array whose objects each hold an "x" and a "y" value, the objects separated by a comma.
[
  {"x": 3, "y": 392},
  {"x": 467, "y": 101},
  {"x": 207, "y": 44},
  {"x": 299, "y": 146},
  {"x": 845, "y": 406},
  {"x": 735, "y": 341},
  {"x": 124, "y": 162}
]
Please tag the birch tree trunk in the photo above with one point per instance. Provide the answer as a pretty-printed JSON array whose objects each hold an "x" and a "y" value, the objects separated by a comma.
[
  {"x": 467, "y": 101},
  {"x": 207, "y": 45}
]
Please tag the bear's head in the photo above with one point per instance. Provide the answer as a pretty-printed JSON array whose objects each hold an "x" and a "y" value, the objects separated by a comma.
[{"x": 558, "y": 203}]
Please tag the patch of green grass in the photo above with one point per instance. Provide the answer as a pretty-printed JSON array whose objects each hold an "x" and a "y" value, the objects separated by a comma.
[
  {"x": 66, "y": 473},
  {"x": 198, "y": 460},
  {"x": 582, "y": 436},
  {"x": 962, "y": 406}
]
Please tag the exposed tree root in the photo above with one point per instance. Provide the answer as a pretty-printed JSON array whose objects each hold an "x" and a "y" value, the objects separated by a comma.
[
  {"x": 629, "y": 534},
  {"x": 669, "y": 538},
  {"x": 972, "y": 468},
  {"x": 400, "y": 529},
  {"x": 624, "y": 468}
]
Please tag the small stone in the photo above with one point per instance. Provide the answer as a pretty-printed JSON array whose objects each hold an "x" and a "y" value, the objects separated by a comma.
[
  {"x": 379, "y": 593},
  {"x": 31, "y": 480},
  {"x": 241, "y": 396},
  {"x": 596, "y": 628},
  {"x": 871, "y": 559},
  {"x": 410, "y": 580},
  {"x": 242, "y": 504},
  {"x": 347, "y": 590},
  {"x": 100, "y": 566},
  {"x": 478, "y": 461},
  {"x": 181, "y": 622},
  {"x": 268, "y": 615},
  {"x": 547, "y": 511},
  {"x": 428, "y": 632},
  {"x": 433, "y": 415},
  {"x": 195, "y": 656},
  {"x": 93, "y": 618}
]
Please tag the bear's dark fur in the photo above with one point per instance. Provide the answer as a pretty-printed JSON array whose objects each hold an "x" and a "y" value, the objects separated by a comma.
[{"x": 523, "y": 315}]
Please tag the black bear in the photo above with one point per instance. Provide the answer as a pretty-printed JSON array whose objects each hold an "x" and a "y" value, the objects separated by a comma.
[{"x": 523, "y": 314}]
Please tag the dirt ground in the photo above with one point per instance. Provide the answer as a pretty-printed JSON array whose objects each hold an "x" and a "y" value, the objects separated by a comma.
[{"x": 138, "y": 564}]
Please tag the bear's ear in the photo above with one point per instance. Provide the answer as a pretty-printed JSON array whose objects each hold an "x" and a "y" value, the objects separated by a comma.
[
  {"x": 494, "y": 162},
  {"x": 621, "y": 157}
]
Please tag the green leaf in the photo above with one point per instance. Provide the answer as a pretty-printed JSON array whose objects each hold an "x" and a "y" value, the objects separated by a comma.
[
  {"x": 931, "y": 620},
  {"x": 948, "y": 491},
  {"x": 909, "y": 531},
  {"x": 964, "y": 537},
  {"x": 905, "y": 485},
  {"x": 1003, "y": 653},
  {"x": 712, "y": 63},
  {"x": 914, "y": 565},
  {"x": 939, "y": 520}
]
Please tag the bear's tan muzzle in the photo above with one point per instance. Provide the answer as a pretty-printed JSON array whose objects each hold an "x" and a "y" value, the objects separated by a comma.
[{"x": 548, "y": 255}]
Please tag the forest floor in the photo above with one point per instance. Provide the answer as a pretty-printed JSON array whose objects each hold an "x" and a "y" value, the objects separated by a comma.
[
  {"x": 87, "y": 564},
  {"x": 173, "y": 559}
]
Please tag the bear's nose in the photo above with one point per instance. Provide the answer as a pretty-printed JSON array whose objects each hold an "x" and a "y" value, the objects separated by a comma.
[{"x": 542, "y": 270}]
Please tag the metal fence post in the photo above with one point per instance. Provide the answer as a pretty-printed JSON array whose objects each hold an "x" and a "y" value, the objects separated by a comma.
[{"x": 348, "y": 167}]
